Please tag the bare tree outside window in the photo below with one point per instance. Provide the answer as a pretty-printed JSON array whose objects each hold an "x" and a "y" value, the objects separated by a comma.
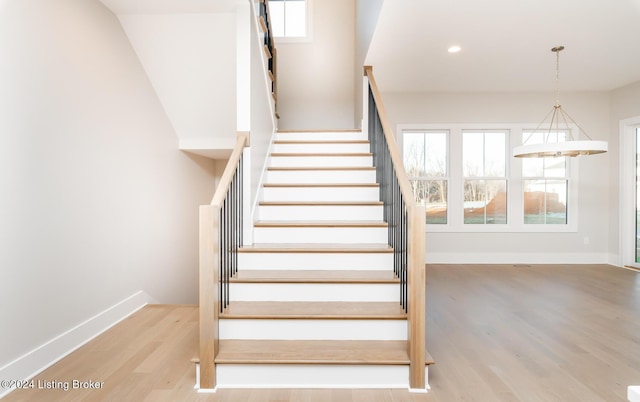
[
  {"x": 484, "y": 171},
  {"x": 425, "y": 159}
]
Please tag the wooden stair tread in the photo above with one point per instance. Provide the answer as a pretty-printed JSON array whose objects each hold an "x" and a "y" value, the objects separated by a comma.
[
  {"x": 428, "y": 359},
  {"x": 316, "y": 248},
  {"x": 287, "y": 185},
  {"x": 321, "y": 224},
  {"x": 321, "y": 203},
  {"x": 314, "y": 310},
  {"x": 235, "y": 351},
  {"x": 337, "y": 130},
  {"x": 321, "y": 168},
  {"x": 314, "y": 276},
  {"x": 321, "y": 142},
  {"x": 263, "y": 24},
  {"x": 328, "y": 154}
]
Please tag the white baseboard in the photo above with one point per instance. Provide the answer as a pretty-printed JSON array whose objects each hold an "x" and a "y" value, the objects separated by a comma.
[
  {"x": 516, "y": 258},
  {"x": 32, "y": 363}
]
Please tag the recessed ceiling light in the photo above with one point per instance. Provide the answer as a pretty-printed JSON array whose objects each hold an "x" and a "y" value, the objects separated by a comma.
[{"x": 454, "y": 49}]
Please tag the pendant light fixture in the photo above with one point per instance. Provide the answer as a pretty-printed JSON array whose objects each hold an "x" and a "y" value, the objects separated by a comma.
[{"x": 559, "y": 122}]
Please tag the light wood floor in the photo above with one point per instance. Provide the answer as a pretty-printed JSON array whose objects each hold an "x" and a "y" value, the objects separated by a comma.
[{"x": 497, "y": 333}]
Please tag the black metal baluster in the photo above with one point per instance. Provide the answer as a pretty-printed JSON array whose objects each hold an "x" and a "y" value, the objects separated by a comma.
[
  {"x": 241, "y": 200},
  {"x": 394, "y": 208},
  {"x": 230, "y": 234},
  {"x": 234, "y": 226},
  {"x": 222, "y": 259},
  {"x": 230, "y": 240}
]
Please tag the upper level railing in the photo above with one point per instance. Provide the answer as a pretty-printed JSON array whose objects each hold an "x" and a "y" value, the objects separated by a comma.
[
  {"x": 270, "y": 51},
  {"x": 220, "y": 237},
  {"x": 406, "y": 221}
]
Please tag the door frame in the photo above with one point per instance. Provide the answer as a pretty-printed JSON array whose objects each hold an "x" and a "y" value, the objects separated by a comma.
[{"x": 628, "y": 202}]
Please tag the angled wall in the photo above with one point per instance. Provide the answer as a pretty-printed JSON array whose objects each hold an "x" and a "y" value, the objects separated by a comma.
[
  {"x": 98, "y": 204},
  {"x": 191, "y": 62}
]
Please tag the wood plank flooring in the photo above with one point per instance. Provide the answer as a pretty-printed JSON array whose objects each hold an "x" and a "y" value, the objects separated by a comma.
[{"x": 496, "y": 333}]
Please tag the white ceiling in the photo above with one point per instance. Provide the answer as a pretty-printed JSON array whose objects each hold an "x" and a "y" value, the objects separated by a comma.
[
  {"x": 506, "y": 45},
  {"x": 124, "y": 7}
]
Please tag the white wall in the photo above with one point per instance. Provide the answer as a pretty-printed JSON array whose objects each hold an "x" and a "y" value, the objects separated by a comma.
[
  {"x": 590, "y": 110},
  {"x": 243, "y": 66},
  {"x": 316, "y": 80},
  {"x": 191, "y": 62},
  {"x": 625, "y": 104},
  {"x": 367, "y": 12},
  {"x": 97, "y": 201}
]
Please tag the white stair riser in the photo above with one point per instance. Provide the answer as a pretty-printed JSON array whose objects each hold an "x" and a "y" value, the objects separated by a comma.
[
  {"x": 374, "y": 330},
  {"x": 315, "y": 292},
  {"x": 312, "y": 261},
  {"x": 322, "y": 136},
  {"x": 321, "y": 176},
  {"x": 322, "y": 148},
  {"x": 320, "y": 213},
  {"x": 344, "y": 235},
  {"x": 321, "y": 194},
  {"x": 323, "y": 161},
  {"x": 312, "y": 376}
]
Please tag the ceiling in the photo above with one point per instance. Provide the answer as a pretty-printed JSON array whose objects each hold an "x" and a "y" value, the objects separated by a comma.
[{"x": 506, "y": 45}]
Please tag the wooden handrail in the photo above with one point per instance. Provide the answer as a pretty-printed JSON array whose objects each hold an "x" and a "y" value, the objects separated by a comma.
[
  {"x": 209, "y": 275},
  {"x": 416, "y": 278},
  {"x": 227, "y": 175},
  {"x": 396, "y": 158}
]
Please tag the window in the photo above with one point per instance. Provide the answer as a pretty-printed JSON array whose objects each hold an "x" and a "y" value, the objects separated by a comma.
[
  {"x": 545, "y": 183},
  {"x": 484, "y": 171},
  {"x": 425, "y": 159},
  {"x": 468, "y": 181},
  {"x": 289, "y": 18}
]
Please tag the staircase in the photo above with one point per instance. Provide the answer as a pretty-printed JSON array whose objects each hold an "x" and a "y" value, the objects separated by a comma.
[{"x": 315, "y": 301}]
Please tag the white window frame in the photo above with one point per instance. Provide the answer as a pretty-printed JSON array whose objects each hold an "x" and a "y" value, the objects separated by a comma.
[
  {"x": 447, "y": 166},
  {"x": 485, "y": 178},
  {"x": 308, "y": 38},
  {"x": 515, "y": 196},
  {"x": 566, "y": 177}
]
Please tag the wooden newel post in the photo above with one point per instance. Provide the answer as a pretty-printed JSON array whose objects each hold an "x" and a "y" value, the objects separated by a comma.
[
  {"x": 209, "y": 232},
  {"x": 417, "y": 297}
]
